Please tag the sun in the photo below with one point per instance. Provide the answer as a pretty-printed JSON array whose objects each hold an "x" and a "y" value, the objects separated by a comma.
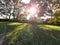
[
  {"x": 26, "y": 1},
  {"x": 32, "y": 10}
]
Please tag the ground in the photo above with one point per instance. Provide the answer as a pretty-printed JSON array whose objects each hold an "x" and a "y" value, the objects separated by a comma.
[{"x": 14, "y": 33}]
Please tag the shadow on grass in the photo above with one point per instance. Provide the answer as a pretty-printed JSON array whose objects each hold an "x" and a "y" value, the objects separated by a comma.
[
  {"x": 31, "y": 34},
  {"x": 1, "y": 27}
]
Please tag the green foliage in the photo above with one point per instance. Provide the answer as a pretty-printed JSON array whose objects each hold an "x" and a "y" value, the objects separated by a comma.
[
  {"x": 56, "y": 18},
  {"x": 57, "y": 15}
]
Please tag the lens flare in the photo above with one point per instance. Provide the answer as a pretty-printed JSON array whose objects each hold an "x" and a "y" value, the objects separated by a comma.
[{"x": 32, "y": 10}]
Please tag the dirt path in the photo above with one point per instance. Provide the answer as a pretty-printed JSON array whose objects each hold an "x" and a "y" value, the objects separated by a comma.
[{"x": 2, "y": 39}]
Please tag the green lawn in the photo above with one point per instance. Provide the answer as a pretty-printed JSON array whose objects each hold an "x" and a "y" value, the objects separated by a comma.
[
  {"x": 30, "y": 34},
  {"x": 50, "y": 27}
]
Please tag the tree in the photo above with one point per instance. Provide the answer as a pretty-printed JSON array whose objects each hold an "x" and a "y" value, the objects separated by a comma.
[{"x": 57, "y": 15}]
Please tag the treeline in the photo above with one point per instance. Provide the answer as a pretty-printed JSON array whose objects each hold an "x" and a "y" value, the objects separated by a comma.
[{"x": 13, "y": 8}]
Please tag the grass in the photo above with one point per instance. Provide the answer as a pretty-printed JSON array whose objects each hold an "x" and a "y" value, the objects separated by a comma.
[
  {"x": 50, "y": 27},
  {"x": 30, "y": 34},
  {"x": 1, "y": 27}
]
